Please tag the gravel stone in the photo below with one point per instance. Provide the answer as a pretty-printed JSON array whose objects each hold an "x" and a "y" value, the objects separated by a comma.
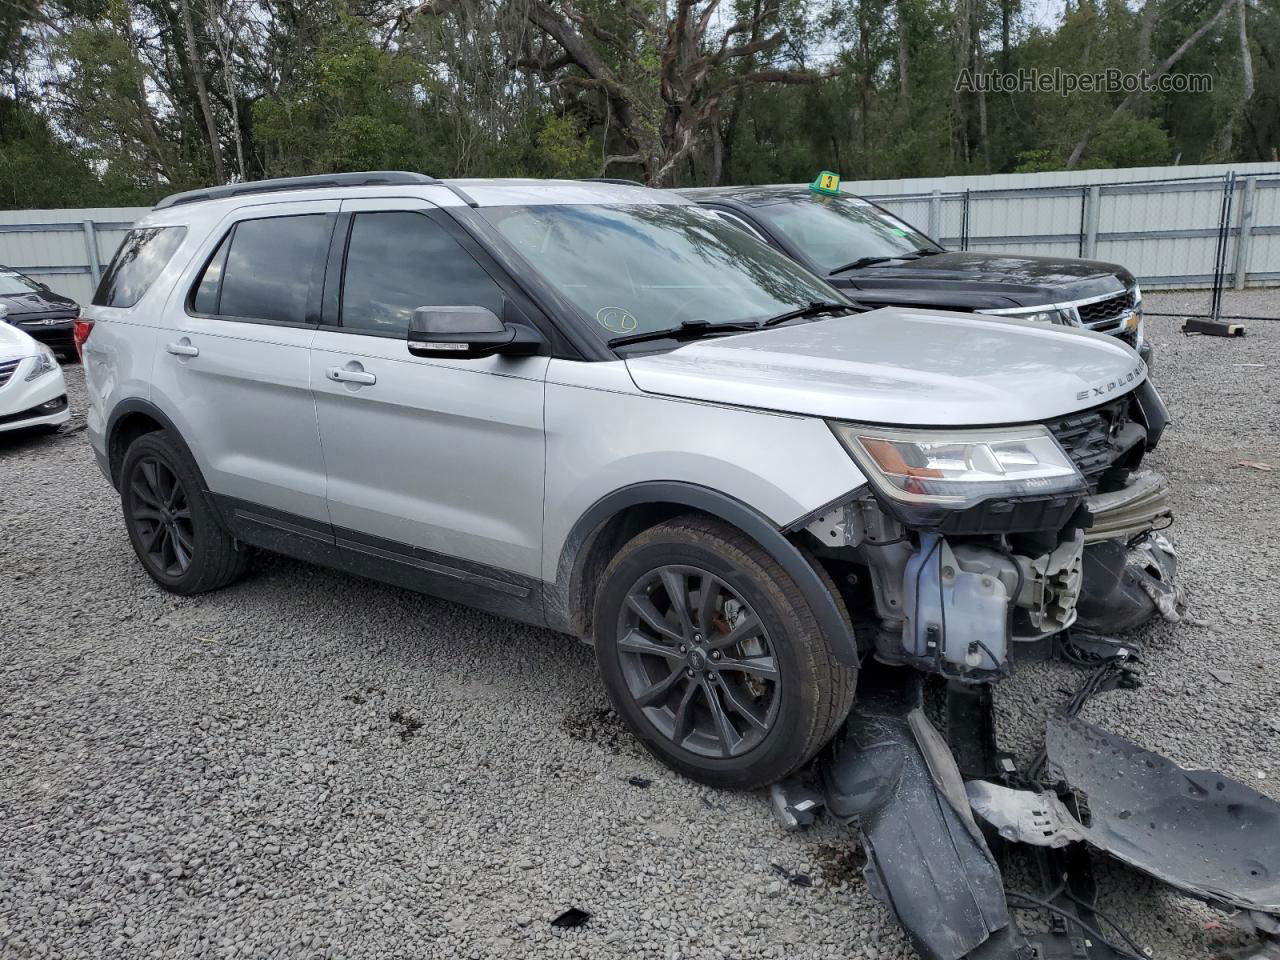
[{"x": 224, "y": 776}]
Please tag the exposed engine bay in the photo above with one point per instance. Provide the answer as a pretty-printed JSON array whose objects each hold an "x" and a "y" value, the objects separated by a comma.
[{"x": 957, "y": 593}]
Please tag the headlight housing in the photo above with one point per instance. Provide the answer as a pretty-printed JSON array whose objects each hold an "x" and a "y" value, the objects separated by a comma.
[
  {"x": 46, "y": 362},
  {"x": 1064, "y": 318},
  {"x": 958, "y": 469}
]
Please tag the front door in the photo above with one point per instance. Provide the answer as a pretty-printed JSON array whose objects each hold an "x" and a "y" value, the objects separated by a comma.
[{"x": 434, "y": 464}]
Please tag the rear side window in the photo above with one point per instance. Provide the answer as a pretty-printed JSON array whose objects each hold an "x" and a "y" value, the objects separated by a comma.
[
  {"x": 265, "y": 269},
  {"x": 398, "y": 261},
  {"x": 136, "y": 265}
]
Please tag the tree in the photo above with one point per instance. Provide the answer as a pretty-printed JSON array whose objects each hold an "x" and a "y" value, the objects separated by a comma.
[{"x": 652, "y": 79}]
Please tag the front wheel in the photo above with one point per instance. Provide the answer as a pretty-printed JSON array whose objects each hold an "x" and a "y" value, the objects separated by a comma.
[{"x": 713, "y": 658}]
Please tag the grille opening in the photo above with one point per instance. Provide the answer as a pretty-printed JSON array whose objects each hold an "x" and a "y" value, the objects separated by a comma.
[
  {"x": 1088, "y": 437},
  {"x": 1106, "y": 311}
]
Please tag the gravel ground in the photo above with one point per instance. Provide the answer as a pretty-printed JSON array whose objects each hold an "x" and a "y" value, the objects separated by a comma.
[{"x": 312, "y": 765}]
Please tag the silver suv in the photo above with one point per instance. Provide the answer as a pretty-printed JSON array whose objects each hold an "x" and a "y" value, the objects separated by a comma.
[{"x": 598, "y": 408}]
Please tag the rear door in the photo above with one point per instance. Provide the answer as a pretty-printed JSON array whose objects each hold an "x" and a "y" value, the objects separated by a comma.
[
  {"x": 232, "y": 368},
  {"x": 436, "y": 464}
]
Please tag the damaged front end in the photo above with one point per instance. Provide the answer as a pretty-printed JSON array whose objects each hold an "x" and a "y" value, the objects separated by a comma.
[
  {"x": 955, "y": 586},
  {"x": 968, "y": 547}
]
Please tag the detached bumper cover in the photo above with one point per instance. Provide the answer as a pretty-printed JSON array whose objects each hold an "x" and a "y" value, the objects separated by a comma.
[
  {"x": 1129, "y": 567},
  {"x": 926, "y": 858},
  {"x": 1196, "y": 830}
]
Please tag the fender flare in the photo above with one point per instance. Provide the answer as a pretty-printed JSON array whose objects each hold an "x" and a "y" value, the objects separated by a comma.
[
  {"x": 138, "y": 405},
  {"x": 750, "y": 521}
]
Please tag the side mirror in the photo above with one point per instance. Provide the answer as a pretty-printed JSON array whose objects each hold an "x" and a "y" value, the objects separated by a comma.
[{"x": 466, "y": 332}]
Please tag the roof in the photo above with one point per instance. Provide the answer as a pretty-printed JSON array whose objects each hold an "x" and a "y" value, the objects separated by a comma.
[
  {"x": 533, "y": 192},
  {"x": 750, "y": 195},
  {"x": 452, "y": 192}
]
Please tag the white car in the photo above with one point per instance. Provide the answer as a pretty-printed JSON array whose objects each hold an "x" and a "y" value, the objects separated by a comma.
[{"x": 32, "y": 391}]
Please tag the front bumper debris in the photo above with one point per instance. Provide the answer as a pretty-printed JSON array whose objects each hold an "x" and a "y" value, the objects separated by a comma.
[
  {"x": 1128, "y": 583},
  {"x": 1199, "y": 831},
  {"x": 927, "y": 860},
  {"x": 941, "y": 875}
]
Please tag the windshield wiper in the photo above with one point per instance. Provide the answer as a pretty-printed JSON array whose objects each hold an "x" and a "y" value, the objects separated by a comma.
[
  {"x": 862, "y": 262},
  {"x": 815, "y": 308},
  {"x": 688, "y": 330},
  {"x": 928, "y": 252}
]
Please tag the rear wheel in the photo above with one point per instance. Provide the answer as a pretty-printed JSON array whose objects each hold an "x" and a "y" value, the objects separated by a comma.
[
  {"x": 171, "y": 524},
  {"x": 712, "y": 656}
]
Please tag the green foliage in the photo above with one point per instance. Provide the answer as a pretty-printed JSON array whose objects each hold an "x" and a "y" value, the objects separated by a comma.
[
  {"x": 109, "y": 104},
  {"x": 564, "y": 149},
  {"x": 37, "y": 169},
  {"x": 1128, "y": 141},
  {"x": 352, "y": 106}
]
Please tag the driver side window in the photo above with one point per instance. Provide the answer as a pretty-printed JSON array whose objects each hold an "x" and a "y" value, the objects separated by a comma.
[{"x": 399, "y": 260}]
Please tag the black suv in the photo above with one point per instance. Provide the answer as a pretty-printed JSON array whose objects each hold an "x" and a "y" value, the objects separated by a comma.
[{"x": 884, "y": 261}]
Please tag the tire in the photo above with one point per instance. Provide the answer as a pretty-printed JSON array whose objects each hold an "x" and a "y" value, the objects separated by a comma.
[
  {"x": 176, "y": 535},
  {"x": 778, "y": 685}
]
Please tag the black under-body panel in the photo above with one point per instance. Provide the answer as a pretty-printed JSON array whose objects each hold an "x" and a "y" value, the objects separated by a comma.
[{"x": 502, "y": 592}]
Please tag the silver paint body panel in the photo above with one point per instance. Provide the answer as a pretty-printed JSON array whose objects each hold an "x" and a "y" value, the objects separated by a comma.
[{"x": 901, "y": 366}]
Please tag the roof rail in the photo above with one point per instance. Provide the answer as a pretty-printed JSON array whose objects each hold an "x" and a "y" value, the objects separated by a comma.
[
  {"x": 366, "y": 179},
  {"x": 618, "y": 180}
]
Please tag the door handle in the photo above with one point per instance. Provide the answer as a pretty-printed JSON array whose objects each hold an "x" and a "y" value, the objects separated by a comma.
[
  {"x": 183, "y": 348},
  {"x": 344, "y": 375}
]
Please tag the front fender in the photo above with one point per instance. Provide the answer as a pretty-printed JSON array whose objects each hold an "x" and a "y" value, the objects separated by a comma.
[{"x": 731, "y": 511}]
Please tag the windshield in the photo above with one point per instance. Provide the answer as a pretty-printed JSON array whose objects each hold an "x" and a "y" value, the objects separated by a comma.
[
  {"x": 12, "y": 284},
  {"x": 640, "y": 269},
  {"x": 834, "y": 231}
]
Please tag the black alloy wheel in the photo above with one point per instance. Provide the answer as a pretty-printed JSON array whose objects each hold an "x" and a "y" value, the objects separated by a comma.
[
  {"x": 698, "y": 661},
  {"x": 162, "y": 511},
  {"x": 173, "y": 525}
]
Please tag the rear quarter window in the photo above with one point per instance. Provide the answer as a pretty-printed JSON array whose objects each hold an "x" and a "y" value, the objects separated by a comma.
[{"x": 137, "y": 263}]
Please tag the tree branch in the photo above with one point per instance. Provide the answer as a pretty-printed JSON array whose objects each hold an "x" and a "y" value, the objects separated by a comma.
[{"x": 1128, "y": 102}]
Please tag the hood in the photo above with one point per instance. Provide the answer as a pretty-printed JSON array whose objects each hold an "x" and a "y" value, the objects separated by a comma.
[
  {"x": 903, "y": 367},
  {"x": 15, "y": 343},
  {"x": 22, "y": 304},
  {"x": 970, "y": 279}
]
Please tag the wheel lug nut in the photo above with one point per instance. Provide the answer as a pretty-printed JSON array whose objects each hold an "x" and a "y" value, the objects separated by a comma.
[
  {"x": 683, "y": 648},
  {"x": 715, "y": 654},
  {"x": 691, "y": 672}
]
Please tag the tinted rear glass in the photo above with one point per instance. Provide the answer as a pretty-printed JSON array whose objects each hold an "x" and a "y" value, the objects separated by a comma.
[
  {"x": 136, "y": 265},
  {"x": 271, "y": 268}
]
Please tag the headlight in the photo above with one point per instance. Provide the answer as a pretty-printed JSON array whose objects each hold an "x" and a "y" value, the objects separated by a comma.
[
  {"x": 1039, "y": 314},
  {"x": 957, "y": 469},
  {"x": 46, "y": 362}
]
